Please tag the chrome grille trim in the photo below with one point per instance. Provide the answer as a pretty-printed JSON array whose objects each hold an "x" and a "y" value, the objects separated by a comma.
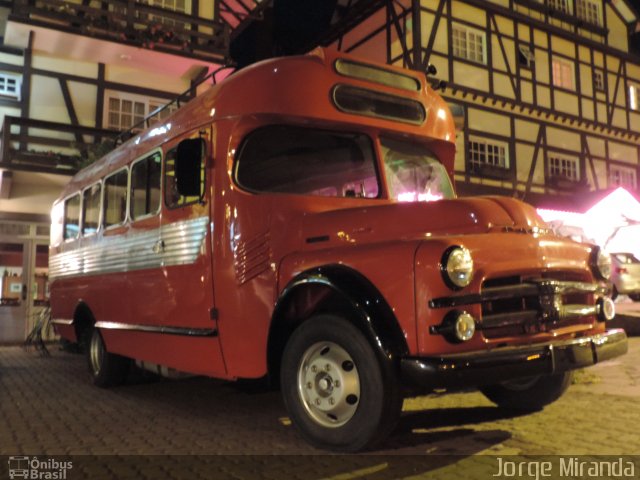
[
  {"x": 528, "y": 288},
  {"x": 182, "y": 243}
]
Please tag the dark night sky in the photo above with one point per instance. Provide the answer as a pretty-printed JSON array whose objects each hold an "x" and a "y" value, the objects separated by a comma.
[{"x": 635, "y": 39}]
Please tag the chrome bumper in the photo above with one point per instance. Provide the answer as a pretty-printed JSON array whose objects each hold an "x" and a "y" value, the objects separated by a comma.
[
  {"x": 493, "y": 366},
  {"x": 544, "y": 302}
]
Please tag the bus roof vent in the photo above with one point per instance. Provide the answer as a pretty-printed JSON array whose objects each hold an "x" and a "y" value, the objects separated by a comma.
[{"x": 378, "y": 75}]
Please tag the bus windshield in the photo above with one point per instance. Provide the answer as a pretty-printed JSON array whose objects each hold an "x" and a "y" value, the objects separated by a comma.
[
  {"x": 413, "y": 173},
  {"x": 308, "y": 161}
]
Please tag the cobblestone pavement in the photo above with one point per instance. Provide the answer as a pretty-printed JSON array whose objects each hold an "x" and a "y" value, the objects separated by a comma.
[{"x": 48, "y": 409}]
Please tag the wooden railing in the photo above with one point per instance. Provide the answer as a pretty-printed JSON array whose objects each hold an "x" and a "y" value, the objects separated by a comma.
[
  {"x": 51, "y": 147},
  {"x": 132, "y": 23}
]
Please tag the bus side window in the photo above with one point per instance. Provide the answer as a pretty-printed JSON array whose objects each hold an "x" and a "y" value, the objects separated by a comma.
[
  {"x": 114, "y": 209},
  {"x": 145, "y": 186},
  {"x": 72, "y": 217},
  {"x": 172, "y": 196},
  {"x": 91, "y": 209}
]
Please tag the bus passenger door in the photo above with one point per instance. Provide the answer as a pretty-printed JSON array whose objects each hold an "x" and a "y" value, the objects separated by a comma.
[{"x": 185, "y": 301}]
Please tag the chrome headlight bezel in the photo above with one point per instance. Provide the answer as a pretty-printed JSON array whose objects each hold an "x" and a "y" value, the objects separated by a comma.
[
  {"x": 601, "y": 264},
  {"x": 456, "y": 267}
]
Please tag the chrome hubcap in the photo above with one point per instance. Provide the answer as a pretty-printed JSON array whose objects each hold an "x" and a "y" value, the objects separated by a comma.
[
  {"x": 328, "y": 384},
  {"x": 96, "y": 353}
]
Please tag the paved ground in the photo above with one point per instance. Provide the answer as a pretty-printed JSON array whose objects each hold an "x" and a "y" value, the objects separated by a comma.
[{"x": 49, "y": 410}]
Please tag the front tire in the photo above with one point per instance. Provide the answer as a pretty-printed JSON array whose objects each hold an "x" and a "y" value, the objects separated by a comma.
[
  {"x": 339, "y": 394},
  {"x": 529, "y": 394},
  {"x": 106, "y": 369}
]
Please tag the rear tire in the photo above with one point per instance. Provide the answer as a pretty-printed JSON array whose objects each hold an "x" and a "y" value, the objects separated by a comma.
[
  {"x": 339, "y": 394},
  {"x": 528, "y": 394},
  {"x": 106, "y": 369}
]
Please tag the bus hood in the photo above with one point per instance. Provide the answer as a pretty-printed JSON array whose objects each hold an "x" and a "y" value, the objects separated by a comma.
[{"x": 420, "y": 220}]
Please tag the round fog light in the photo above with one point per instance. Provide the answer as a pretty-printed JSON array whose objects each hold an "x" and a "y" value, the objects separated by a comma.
[
  {"x": 606, "y": 309},
  {"x": 465, "y": 327}
]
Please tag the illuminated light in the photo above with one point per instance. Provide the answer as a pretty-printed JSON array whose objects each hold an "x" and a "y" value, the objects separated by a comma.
[
  {"x": 429, "y": 197},
  {"x": 613, "y": 223},
  {"x": 419, "y": 197},
  {"x": 212, "y": 112},
  {"x": 533, "y": 357},
  {"x": 465, "y": 327},
  {"x": 442, "y": 114},
  {"x": 407, "y": 197},
  {"x": 158, "y": 131}
]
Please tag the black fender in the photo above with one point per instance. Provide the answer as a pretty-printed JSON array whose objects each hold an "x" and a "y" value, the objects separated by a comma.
[{"x": 373, "y": 315}]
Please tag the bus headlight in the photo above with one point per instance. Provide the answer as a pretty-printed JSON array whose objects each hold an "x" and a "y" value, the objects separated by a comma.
[
  {"x": 457, "y": 267},
  {"x": 601, "y": 263}
]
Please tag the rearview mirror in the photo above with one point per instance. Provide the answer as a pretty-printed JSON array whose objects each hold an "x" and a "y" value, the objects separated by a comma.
[{"x": 189, "y": 157}]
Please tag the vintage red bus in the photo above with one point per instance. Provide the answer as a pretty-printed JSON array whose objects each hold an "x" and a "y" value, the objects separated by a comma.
[{"x": 298, "y": 221}]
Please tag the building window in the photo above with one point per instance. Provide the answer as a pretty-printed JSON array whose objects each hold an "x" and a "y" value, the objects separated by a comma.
[
  {"x": 622, "y": 177},
  {"x": 469, "y": 44},
  {"x": 162, "y": 115},
  {"x": 10, "y": 85},
  {"x": 565, "y": 168},
  {"x": 563, "y": 73},
  {"x": 634, "y": 97},
  {"x": 560, "y": 5},
  {"x": 589, "y": 11},
  {"x": 598, "y": 80},
  {"x": 487, "y": 153},
  {"x": 174, "y": 5},
  {"x": 525, "y": 56},
  {"x": 125, "y": 111}
]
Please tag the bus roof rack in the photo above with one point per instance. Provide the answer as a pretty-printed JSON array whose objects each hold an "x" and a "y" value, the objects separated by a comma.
[{"x": 144, "y": 123}]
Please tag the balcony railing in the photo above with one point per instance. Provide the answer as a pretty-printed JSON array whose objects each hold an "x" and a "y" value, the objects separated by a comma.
[
  {"x": 51, "y": 147},
  {"x": 131, "y": 23}
]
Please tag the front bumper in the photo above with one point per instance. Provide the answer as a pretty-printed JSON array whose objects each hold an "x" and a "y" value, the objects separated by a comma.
[{"x": 497, "y": 365}]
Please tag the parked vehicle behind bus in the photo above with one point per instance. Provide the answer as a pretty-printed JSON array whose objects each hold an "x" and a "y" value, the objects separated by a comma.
[{"x": 299, "y": 221}]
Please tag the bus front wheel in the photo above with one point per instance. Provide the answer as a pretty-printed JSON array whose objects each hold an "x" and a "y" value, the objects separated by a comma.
[
  {"x": 339, "y": 394},
  {"x": 106, "y": 369}
]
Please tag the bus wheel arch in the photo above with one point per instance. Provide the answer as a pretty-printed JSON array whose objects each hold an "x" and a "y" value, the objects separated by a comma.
[
  {"x": 83, "y": 322},
  {"x": 335, "y": 290},
  {"x": 105, "y": 368}
]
